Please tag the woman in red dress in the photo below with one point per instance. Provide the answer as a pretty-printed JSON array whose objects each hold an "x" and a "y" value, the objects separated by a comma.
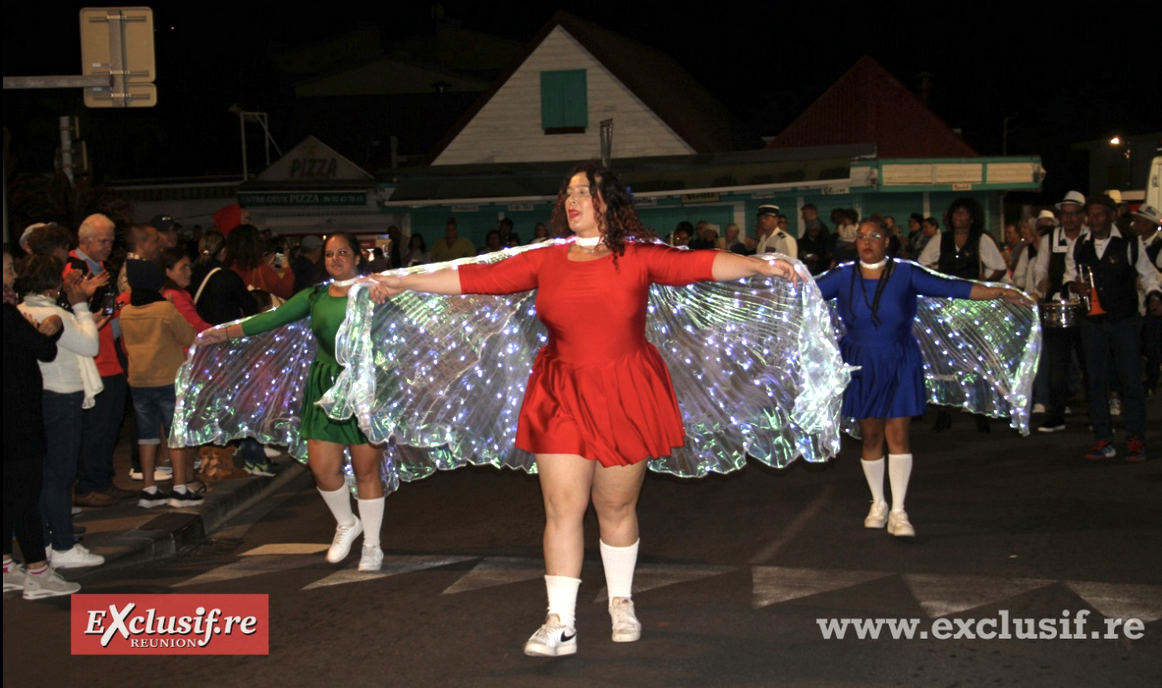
[{"x": 599, "y": 402}]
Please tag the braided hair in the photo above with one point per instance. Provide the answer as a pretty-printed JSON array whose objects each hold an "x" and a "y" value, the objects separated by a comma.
[{"x": 881, "y": 283}]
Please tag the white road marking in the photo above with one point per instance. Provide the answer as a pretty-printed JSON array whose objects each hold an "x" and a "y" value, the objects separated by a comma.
[
  {"x": 941, "y": 595},
  {"x": 287, "y": 548},
  {"x": 392, "y": 566},
  {"x": 1121, "y": 600},
  {"x": 650, "y": 576},
  {"x": 792, "y": 529},
  {"x": 495, "y": 571},
  {"x": 775, "y": 584},
  {"x": 252, "y": 566}
]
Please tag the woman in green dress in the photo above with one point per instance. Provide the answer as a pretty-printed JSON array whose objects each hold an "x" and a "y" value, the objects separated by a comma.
[{"x": 326, "y": 438}]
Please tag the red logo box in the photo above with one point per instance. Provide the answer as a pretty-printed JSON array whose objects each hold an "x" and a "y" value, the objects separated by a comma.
[{"x": 170, "y": 624}]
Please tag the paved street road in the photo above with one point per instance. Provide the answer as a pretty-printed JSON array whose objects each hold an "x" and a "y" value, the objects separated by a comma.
[{"x": 735, "y": 575}]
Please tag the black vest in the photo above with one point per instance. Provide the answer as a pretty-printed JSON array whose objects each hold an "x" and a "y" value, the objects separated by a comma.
[
  {"x": 1114, "y": 275},
  {"x": 1057, "y": 261},
  {"x": 1153, "y": 250},
  {"x": 964, "y": 262}
]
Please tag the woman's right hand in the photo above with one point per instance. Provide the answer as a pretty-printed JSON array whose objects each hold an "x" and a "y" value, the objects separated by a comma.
[
  {"x": 385, "y": 287},
  {"x": 214, "y": 335}
]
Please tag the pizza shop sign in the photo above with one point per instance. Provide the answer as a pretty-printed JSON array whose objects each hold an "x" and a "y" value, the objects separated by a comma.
[{"x": 314, "y": 168}]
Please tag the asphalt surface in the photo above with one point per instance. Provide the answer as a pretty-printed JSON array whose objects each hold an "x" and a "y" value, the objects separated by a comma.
[{"x": 736, "y": 575}]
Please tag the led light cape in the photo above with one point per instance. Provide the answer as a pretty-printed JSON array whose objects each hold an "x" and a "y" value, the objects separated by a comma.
[{"x": 754, "y": 362}]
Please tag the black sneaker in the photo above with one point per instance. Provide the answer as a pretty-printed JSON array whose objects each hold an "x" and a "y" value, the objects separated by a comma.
[
  {"x": 149, "y": 500},
  {"x": 1051, "y": 425},
  {"x": 185, "y": 499}
]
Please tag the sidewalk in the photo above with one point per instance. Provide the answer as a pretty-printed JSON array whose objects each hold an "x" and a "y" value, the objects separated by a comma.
[{"x": 126, "y": 534}]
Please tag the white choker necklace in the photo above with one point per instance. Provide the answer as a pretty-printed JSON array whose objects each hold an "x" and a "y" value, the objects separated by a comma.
[
  {"x": 590, "y": 242},
  {"x": 873, "y": 266},
  {"x": 345, "y": 283}
]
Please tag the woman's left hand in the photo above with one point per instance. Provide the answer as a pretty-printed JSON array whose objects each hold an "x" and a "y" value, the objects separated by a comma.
[
  {"x": 777, "y": 268},
  {"x": 1014, "y": 296}
]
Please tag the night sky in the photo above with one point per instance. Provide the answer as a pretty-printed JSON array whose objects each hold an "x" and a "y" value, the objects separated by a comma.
[{"x": 1065, "y": 78}]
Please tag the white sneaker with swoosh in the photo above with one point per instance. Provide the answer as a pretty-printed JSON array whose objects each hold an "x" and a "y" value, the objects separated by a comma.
[{"x": 553, "y": 639}]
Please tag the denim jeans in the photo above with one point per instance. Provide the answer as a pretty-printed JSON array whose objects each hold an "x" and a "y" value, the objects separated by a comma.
[
  {"x": 101, "y": 428},
  {"x": 62, "y": 424},
  {"x": 154, "y": 407},
  {"x": 1116, "y": 345}
]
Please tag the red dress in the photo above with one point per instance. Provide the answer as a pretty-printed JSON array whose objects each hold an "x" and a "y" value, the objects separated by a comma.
[{"x": 598, "y": 389}]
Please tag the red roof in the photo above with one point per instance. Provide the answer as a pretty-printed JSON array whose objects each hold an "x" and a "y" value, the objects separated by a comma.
[{"x": 869, "y": 105}]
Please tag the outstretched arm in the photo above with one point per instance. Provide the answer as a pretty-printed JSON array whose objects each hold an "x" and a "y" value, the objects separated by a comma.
[
  {"x": 731, "y": 266},
  {"x": 981, "y": 292},
  {"x": 445, "y": 281}
]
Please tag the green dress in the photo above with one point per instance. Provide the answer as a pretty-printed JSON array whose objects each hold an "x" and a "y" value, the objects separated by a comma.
[{"x": 326, "y": 313}]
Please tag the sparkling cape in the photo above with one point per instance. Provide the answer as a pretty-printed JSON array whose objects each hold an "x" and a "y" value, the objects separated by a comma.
[
  {"x": 754, "y": 363},
  {"x": 978, "y": 355}
]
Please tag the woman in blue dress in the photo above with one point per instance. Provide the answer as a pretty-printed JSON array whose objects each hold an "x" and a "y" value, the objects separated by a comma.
[{"x": 877, "y": 302}]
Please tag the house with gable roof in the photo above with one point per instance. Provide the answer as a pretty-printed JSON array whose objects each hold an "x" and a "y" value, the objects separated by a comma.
[{"x": 572, "y": 75}]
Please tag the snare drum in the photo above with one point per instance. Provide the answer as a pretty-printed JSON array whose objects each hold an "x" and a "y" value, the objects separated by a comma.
[{"x": 1057, "y": 314}]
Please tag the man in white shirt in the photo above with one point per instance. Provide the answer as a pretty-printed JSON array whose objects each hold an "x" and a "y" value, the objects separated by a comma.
[
  {"x": 1049, "y": 275},
  {"x": 1111, "y": 332},
  {"x": 1147, "y": 224},
  {"x": 770, "y": 238}
]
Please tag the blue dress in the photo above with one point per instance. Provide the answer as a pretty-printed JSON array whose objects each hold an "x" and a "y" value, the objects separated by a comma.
[{"x": 890, "y": 381}]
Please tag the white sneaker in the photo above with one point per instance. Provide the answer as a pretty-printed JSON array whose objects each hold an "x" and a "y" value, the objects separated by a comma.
[
  {"x": 47, "y": 584},
  {"x": 626, "y": 627},
  {"x": 75, "y": 558},
  {"x": 372, "y": 559},
  {"x": 14, "y": 579},
  {"x": 878, "y": 516},
  {"x": 344, "y": 538},
  {"x": 898, "y": 524},
  {"x": 77, "y": 511},
  {"x": 271, "y": 451},
  {"x": 553, "y": 639},
  {"x": 1038, "y": 408}
]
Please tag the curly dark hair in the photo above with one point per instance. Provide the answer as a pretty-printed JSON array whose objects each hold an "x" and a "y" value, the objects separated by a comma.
[
  {"x": 38, "y": 274},
  {"x": 616, "y": 217},
  {"x": 973, "y": 207},
  {"x": 49, "y": 237}
]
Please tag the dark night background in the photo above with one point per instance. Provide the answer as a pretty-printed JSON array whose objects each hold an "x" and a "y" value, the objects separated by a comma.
[{"x": 1066, "y": 77}]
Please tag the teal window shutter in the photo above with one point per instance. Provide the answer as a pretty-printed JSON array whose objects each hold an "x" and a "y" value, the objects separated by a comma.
[{"x": 564, "y": 101}]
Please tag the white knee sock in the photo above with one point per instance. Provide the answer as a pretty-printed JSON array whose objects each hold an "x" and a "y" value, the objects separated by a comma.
[
  {"x": 339, "y": 502},
  {"x": 899, "y": 469},
  {"x": 371, "y": 511},
  {"x": 562, "y": 592},
  {"x": 874, "y": 472},
  {"x": 619, "y": 563}
]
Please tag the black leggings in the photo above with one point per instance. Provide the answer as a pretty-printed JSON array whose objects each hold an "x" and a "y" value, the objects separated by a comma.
[{"x": 21, "y": 508}]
